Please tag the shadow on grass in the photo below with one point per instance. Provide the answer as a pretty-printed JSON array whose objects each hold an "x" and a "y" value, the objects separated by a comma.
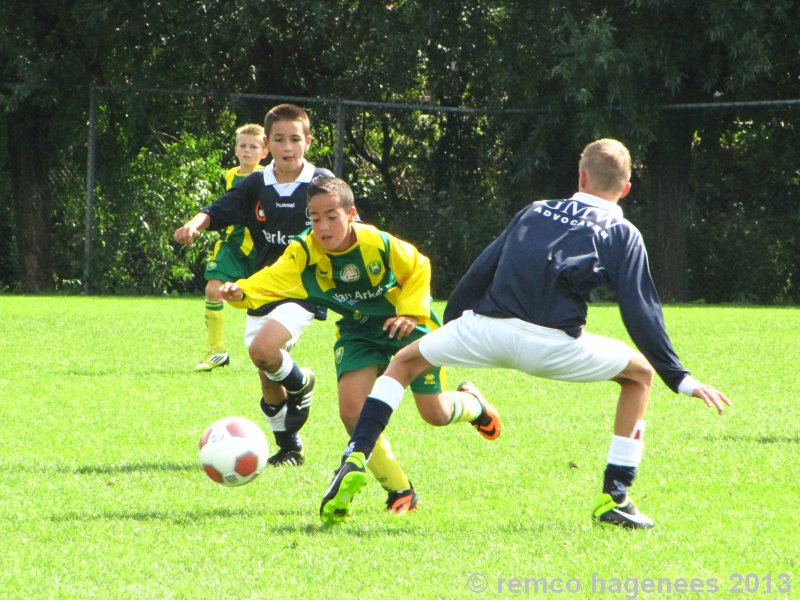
[
  {"x": 187, "y": 517},
  {"x": 759, "y": 439},
  {"x": 138, "y": 467},
  {"x": 107, "y": 469},
  {"x": 289, "y": 521}
]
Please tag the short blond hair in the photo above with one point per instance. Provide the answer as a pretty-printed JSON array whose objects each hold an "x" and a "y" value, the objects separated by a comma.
[
  {"x": 608, "y": 163},
  {"x": 253, "y": 129}
]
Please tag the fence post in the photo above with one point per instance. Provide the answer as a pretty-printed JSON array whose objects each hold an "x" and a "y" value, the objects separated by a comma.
[
  {"x": 338, "y": 157},
  {"x": 90, "y": 185}
]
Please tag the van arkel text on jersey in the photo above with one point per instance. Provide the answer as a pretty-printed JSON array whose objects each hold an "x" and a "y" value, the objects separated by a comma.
[
  {"x": 576, "y": 214},
  {"x": 356, "y": 297},
  {"x": 278, "y": 238}
]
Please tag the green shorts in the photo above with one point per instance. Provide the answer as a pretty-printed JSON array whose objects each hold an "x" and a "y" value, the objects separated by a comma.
[
  {"x": 229, "y": 263},
  {"x": 359, "y": 346}
]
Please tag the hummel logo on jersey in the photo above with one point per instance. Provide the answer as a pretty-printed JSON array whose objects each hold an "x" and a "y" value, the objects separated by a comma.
[{"x": 284, "y": 204}]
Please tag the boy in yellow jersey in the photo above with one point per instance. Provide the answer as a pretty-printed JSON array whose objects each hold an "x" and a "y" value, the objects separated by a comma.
[
  {"x": 233, "y": 256},
  {"x": 380, "y": 285}
]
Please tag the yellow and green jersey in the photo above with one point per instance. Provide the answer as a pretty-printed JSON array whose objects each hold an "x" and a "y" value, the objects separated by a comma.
[
  {"x": 238, "y": 236},
  {"x": 380, "y": 276}
]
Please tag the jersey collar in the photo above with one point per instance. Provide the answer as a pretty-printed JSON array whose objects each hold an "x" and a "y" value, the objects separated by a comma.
[
  {"x": 598, "y": 202},
  {"x": 306, "y": 175}
]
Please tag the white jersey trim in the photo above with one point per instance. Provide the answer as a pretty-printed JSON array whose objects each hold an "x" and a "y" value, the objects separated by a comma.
[{"x": 287, "y": 189}]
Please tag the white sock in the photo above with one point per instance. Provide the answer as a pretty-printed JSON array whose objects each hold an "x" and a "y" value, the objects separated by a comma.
[
  {"x": 283, "y": 371},
  {"x": 387, "y": 390}
]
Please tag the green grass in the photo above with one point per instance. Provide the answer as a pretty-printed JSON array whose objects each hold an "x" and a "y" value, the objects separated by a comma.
[{"x": 103, "y": 497}]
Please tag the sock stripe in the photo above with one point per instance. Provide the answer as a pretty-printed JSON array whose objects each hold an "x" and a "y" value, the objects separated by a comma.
[{"x": 458, "y": 410}]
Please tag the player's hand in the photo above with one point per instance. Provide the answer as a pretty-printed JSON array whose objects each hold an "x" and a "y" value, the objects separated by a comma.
[
  {"x": 185, "y": 235},
  {"x": 711, "y": 396},
  {"x": 230, "y": 291},
  {"x": 399, "y": 326}
]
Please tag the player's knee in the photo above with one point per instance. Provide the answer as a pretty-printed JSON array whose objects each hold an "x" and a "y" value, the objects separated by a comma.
[
  {"x": 265, "y": 356},
  {"x": 349, "y": 412},
  {"x": 407, "y": 364},
  {"x": 638, "y": 372}
]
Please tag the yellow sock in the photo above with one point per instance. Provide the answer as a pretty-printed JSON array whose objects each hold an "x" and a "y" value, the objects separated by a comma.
[
  {"x": 386, "y": 468},
  {"x": 215, "y": 321},
  {"x": 466, "y": 407}
]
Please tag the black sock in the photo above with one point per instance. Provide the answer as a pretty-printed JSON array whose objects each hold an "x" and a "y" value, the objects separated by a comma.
[
  {"x": 373, "y": 420},
  {"x": 295, "y": 380},
  {"x": 288, "y": 440},
  {"x": 617, "y": 480},
  {"x": 270, "y": 410}
]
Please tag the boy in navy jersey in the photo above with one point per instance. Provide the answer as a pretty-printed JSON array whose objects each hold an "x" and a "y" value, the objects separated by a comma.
[
  {"x": 272, "y": 205},
  {"x": 522, "y": 305}
]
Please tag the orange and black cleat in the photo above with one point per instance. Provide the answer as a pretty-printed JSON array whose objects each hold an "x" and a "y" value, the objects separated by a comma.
[
  {"x": 402, "y": 501},
  {"x": 488, "y": 423}
]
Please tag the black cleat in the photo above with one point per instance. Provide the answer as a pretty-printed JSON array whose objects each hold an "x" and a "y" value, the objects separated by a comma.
[
  {"x": 287, "y": 458},
  {"x": 608, "y": 512}
]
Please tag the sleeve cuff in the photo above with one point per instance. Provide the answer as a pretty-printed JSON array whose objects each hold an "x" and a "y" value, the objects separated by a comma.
[{"x": 688, "y": 385}]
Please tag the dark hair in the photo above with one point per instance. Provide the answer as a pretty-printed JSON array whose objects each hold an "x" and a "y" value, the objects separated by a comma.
[
  {"x": 286, "y": 112},
  {"x": 333, "y": 186}
]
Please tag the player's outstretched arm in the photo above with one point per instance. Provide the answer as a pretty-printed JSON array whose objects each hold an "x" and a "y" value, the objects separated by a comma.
[
  {"x": 712, "y": 397},
  {"x": 191, "y": 229}
]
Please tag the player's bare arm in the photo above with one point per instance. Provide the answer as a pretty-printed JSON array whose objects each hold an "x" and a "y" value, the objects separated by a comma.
[
  {"x": 191, "y": 229},
  {"x": 400, "y": 326}
]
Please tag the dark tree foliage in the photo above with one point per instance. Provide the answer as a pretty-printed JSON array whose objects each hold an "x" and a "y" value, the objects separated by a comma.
[{"x": 712, "y": 188}]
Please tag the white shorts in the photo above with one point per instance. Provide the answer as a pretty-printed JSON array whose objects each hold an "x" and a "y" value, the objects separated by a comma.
[
  {"x": 292, "y": 316},
  {"x": 477, "y": 341}
]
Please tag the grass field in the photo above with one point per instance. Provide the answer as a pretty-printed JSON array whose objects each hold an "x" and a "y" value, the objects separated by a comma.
[{"x": 103, "y": 497}]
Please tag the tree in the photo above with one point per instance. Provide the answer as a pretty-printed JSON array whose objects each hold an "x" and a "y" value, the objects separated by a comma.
[
  {"x": 50, "y": 53},
  {"x": 547, "y": 76},
  {"x": 618, "y": 65}
]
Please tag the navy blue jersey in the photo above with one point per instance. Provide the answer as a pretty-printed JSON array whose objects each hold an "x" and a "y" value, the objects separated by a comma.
[
  {"x": 272, "y": 211},
  {"x": 543, "y": 267}
]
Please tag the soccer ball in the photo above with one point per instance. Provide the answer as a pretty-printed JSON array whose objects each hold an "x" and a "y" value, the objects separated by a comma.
[{"x": 233, "y": 451}]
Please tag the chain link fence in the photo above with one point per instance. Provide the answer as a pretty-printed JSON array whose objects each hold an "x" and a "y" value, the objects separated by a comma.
[{"x": 432, "y": 175}]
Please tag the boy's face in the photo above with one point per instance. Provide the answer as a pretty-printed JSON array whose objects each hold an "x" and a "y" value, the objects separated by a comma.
[
  {"x": 249, "y": 151},
  {"x": 287, "y": 143},
  {"x": 331, "y": 223}
]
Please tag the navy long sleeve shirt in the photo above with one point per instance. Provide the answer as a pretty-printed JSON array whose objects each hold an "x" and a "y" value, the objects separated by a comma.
[{"x": 543, "y": 267}]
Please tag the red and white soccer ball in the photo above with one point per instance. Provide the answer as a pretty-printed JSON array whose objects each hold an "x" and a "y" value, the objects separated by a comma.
[{"x": 233, "y": 451}]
